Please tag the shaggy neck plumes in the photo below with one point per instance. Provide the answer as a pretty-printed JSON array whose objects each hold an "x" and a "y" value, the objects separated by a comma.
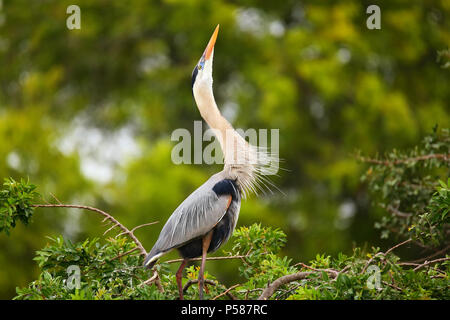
[{"x": 243, "y": 162}]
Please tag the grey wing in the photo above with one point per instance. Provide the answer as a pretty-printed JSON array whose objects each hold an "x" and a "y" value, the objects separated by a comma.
[{"x": 195, "y": 217}]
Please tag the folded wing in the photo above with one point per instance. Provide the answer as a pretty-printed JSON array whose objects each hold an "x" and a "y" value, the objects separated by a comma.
[{"x": 193, "y": 218}]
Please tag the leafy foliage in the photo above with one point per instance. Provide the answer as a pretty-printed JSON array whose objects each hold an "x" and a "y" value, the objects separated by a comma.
[
  {"x": 355, "y": 282},
  {"x": 433, "y": 225},
  {"x": 409, "y": 186},
  {"x": 260, "y": 246},
  {"x": 16, "y": 200},
  {"x": 104, "y": 273},
  {"x": 108, "y": 274}
]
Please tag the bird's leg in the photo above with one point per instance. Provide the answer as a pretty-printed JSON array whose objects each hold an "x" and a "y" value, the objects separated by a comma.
[
  {"x": 179, "y": 276},
  {"x": 206, "y": 241}
]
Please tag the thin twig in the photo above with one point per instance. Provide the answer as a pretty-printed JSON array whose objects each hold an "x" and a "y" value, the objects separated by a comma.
[
  {"x": 289, "y": 291},
  {"x": 250, "y": 290},
  {"x": 226, "y": 292},
  {"x": 140, "y": 226},
  {"x": 409, "y": 264},
  {"x": 150, "y": 280},
  {"x": 445, "y": 157},
  {"x": 430, "y": 262},
  {"x": 345, "y": 269},
  {"x": 431, "y": 256},
  {"x": 191, "y": 282},
  {"x": 124, "y": 254},
  {"x": 103, "y": 213},
  {"x": 331, "y": 271},
  {"x": 398, "y": 245},
  {"x": 144, "y": 225},
  {"x": 208, "y": 258},
  {"x": 54, "y": 197},
  {"x": 392, "y": 286},
  {"x": 370, "y": 261},
  {"x": 155, "y": 279},
  {"x": 384, "y": 254},
  {"x": 109, "y": 229},
  {"x": 397, "y": 212}
]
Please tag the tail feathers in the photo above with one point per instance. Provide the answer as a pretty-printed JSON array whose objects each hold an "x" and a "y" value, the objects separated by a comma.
[
  {"x": 150, "y": 265},
  {"x": 151, "y": 259}
]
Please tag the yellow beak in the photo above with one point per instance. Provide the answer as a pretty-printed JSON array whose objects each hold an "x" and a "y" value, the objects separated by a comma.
[{"x": 211, "y": 43}]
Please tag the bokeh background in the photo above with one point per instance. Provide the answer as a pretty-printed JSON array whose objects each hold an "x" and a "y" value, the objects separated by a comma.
[{"x": 87, "y": 114}]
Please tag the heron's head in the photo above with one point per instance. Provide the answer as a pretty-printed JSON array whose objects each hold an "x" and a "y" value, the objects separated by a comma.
[{"x": 202, "y": 74}]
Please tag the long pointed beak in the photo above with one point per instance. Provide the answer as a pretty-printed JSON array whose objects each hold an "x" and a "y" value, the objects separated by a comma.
[{"x": 211, "y": 43}]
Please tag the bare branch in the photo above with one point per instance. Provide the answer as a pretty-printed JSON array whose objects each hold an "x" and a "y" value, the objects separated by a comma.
[
  {"x": 54, "y": 197},
  {"x": 227, "y": 292},
  {"x": 144, "y": 225},
  {"x": 426, "y": 263},
  {"x": 384, "y": 254},
  {"x": 124, "y": 254},
  {"x": 445, "y": 157},
  {"x": 208, "y": 258},
  {"x": 398, "y": 245},
  {"x": 333, "y": 272},
  {"x": 269, "y": 291},
  {"x": 103, "y": 213},
  {"x": 109, "y": 229},
  {"x": 370, "y": 261},
  {"x": 429, "y": 257},
  {"x": 397, "y": 212},
  {"x": 150, "y": 280},
  {"x": 392, "y": 286},
  {"x": 191, "y": 282},
  {"x": 135, "y": 228}
]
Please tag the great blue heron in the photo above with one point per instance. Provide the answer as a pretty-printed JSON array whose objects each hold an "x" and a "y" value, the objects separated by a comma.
[{"x": 206, "y": 219}]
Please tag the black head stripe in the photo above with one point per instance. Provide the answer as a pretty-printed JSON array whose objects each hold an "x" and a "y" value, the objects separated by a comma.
[{"x": 194, "y": 76}]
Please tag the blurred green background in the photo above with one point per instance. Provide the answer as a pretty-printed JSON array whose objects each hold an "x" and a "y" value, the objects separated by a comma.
[{"x": 87, "y": 114}]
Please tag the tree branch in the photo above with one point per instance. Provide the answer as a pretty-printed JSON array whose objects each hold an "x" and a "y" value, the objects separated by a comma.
[
  {"x": 397, "y": 212},
  {"x": 398, "y": 245},
  {"x": 124, "y": 254},
  {"x": 445, "y": 157},
  {"x": 191, "y": 282},
  {"x": 208, "y": 258},
  {"x": 333, "y": 272},
  {"x": 417, "y": 261},
  {"x": 107, "y": 216},
  {"x": 154, "y": 278},
  {"x": 384, "y": 254},
  {"x": 430, "y": 262},
  {"x": 269, "y": 291},
  {"x": 227, "y": 292}
]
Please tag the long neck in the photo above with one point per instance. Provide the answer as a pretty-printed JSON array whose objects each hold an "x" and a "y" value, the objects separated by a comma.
[
  {"x": 210, "y": 113},
  {"x": 239, "y": 157}
]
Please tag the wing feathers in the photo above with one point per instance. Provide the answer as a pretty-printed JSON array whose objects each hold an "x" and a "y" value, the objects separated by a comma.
[{"x": 195, "y": 217}]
